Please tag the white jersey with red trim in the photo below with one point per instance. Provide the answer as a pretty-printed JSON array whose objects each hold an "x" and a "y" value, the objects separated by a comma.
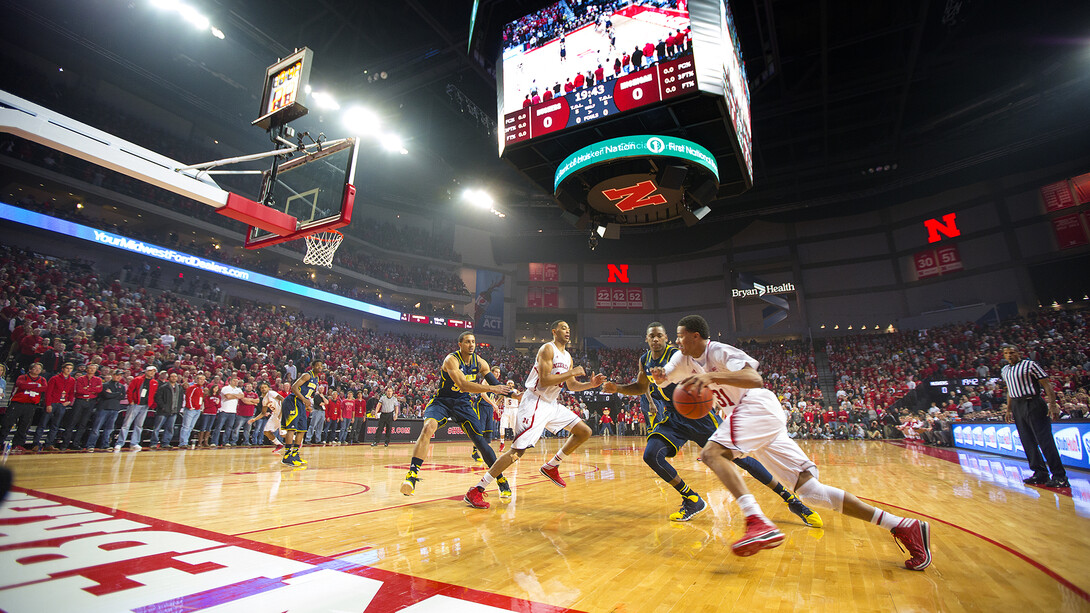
[
  {"x": 718, "y": 357},
  {"x": 561, "y": 364}
]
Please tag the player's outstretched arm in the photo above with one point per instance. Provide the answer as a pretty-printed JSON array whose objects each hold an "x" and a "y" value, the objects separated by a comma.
[
  {"x": 633, "y": 388},
  {"x": 450, "y": 366},
  {"x": 579, "y": 386}
]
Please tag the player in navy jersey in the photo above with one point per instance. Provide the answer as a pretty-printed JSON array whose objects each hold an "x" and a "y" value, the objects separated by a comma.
[
  {"x": 295, "y": 410},
  {"x": 670, "y": 431},
  {"x": 461, "y": 376},
  {"x": 488, "y": 406}
]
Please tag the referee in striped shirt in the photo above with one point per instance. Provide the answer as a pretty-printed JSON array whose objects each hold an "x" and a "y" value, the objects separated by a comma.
[{"x": 1024, "y": 380}]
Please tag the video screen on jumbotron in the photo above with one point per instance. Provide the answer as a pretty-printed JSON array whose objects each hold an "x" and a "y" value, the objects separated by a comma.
[{"x": 574, "y": 62}]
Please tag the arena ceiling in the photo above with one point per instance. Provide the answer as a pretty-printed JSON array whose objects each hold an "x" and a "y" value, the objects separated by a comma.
[{"x": 855, "y": 104}]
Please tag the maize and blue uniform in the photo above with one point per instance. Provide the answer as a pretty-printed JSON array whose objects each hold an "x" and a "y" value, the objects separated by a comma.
[
  {"x": 486, "y": 411},
  {"x": 451, "y": 403},
  {"x": 669, "y": 424},
  {"x": 293, "y": 410}
]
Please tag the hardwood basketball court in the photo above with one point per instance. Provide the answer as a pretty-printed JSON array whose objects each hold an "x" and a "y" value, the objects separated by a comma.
[{"x": 604, "y": 543}]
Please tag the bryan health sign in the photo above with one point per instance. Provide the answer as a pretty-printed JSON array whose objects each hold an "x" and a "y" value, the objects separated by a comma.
[{"x": 1072, "y": 441}]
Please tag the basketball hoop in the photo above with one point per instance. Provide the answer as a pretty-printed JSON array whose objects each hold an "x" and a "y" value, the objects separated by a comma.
[{"x": 321, "y": 246}]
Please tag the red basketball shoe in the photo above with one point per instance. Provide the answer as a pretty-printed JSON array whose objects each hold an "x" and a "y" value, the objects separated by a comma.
[
  {"x": 475, "y": 498},
  {"x": 553, "y": 473},
  {"x": 915, "y": 535},
  {"x": 760, "y": 534}
]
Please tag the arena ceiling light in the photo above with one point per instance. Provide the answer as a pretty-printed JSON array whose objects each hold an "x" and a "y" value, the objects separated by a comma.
[
  {"x": 392, "y": 143},
  {"x": 478, "y": 198},
  {"x": 361, "y": 121},
  {"x": 324, "y": 100},
  {"x": 189, "y": 14}
]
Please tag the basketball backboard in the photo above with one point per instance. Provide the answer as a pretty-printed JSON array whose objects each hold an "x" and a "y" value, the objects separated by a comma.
[{"x": 316, "y": 188}]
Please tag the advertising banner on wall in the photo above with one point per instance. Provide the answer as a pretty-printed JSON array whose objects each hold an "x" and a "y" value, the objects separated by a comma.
[
  {"x": 1072, "y": 441},
  {"x": 749, "y": 286},
  {"x": 534, "y": 299},
  {"x": 1069, "y": 231},
  {"x": 1057, "y": 196},
  {"x": 537, "y": 271},
  {"x": 935, "y": 262},
  {"x": 551, "y": 297},
  {"x": 614, "y": 297},
  {"x": 488, "y": 305}
]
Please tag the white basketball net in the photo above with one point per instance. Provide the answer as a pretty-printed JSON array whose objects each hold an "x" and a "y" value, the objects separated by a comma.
[{"x": 321, "y": 246}]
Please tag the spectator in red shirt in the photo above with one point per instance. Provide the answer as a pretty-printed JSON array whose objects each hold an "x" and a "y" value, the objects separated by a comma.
[
  {"x": 333, "y": 418},
  {"x": 88, "y": 388},
  {"x": 247, "y": 408},
  {"x": 348, "y": 411},
  {"x": 194, "y": 406},
  {"x": 211, "y": 409},
  {"x": 29, "y": 394},
  {"x": 829, "y": 416},
  {"x": 141, "y": 396},
  {"x": 60, "y": 393}
]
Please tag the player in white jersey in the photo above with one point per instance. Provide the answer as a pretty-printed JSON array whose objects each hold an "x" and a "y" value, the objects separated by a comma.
[
  {"x": 270, "y": 406},
  {"x": 753, "y": 424},
  {"x": 539, "y": 410},
  {"x": 507, "y": 416}
]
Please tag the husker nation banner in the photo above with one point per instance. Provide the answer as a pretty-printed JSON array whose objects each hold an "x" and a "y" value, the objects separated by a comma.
[{"x": 488, "y": 305}]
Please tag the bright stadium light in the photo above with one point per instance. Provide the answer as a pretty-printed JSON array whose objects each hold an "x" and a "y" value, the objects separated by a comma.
[
  {"x": 361, "y": 121},
  {"x": 191, "y": 15},
  {"x": 478, "y": 198},
  {"x": 392, "y": 143},
  {"x": 325, "y": 101},
  {"x": 218, "y": 33}
]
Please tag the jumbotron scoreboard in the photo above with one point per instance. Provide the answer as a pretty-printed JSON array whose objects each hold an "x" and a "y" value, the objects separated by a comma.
[
  {"x": 597, "y": 97},
  {"x": 660, "y": 82}
]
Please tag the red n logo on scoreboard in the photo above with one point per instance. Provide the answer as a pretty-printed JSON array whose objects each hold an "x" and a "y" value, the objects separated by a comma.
[
  {"x": 635, "y": 196},
  {"x": 617, "y": 274},
  {"x": 948, "y": 227}
]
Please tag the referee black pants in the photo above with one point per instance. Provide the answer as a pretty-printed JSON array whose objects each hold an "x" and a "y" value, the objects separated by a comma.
[
  {"x": 385, "y": 422},
  {"x": 1035, "y": 430}
]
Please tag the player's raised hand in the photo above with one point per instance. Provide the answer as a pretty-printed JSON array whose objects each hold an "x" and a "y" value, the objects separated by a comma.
[
  {"x": 659, "y": 375},
  {"x": 578, "y": 371},
  {"x": 609, "y": 387},
  {"x": 598, "y": 379},
  {"x": 500, "y": 389}
]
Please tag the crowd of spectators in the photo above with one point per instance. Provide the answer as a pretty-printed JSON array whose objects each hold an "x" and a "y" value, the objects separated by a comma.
[{"x": 58, "y": 311}]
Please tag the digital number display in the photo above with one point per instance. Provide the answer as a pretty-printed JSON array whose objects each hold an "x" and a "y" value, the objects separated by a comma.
[{"x": 285, "y": 87}]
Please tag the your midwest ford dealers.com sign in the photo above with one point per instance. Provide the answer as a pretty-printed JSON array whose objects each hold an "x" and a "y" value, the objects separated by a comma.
[{"x": 760, "y": 289}]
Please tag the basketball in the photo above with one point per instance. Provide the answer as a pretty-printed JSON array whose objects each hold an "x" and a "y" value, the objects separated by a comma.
[{"x": 693, "y": 406}]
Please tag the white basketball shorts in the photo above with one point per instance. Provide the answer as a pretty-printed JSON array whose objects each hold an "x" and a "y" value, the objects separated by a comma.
[
  {"x": 756, "y": 429},
  {"x": 535, "y": 415}
]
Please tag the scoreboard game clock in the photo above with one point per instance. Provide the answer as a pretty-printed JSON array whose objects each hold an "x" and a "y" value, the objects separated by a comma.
[
  {"x": 285, "y": 93},
  {"x": 578, "y": 78}
]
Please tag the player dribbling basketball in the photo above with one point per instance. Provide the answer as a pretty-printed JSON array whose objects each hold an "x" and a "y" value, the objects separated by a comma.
[{"x": 755, "y": 426}]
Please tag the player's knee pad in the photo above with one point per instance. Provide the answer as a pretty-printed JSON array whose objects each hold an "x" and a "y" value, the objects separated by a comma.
[{"x": 816, "y": 494}]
